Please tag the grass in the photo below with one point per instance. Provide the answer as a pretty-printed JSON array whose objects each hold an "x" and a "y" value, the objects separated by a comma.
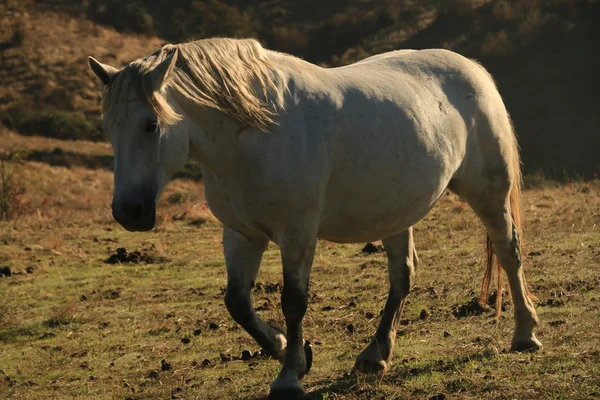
[{"x": 74, "y": 326}]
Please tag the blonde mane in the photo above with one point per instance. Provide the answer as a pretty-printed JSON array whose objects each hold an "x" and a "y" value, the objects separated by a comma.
[{"x": 233, "y": 76}]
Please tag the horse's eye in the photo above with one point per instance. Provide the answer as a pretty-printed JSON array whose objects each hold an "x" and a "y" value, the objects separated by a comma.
[{"x": 151, "y": 126}]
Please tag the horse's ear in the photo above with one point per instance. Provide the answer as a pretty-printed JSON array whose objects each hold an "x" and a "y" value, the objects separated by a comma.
[
  {"x": 159, "y": 76},
  {"x": 104, "y": 72}
]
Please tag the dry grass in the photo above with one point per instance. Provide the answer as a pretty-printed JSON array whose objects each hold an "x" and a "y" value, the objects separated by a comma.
[{"x": 73, "y": 326}]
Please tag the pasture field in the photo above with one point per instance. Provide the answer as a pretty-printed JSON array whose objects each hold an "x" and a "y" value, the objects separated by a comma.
[{"x": 80, "y": 318}]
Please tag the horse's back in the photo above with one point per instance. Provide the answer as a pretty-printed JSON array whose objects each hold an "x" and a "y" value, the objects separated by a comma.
[
  {"x": 402, "y": 133},
  {"x": 376, "y": 143}
]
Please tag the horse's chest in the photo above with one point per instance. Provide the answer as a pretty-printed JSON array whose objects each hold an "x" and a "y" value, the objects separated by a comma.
[{"x": 246, "y": 209}]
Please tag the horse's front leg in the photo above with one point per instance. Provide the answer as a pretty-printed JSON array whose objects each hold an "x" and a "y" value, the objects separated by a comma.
[
  {"x": 297, "y": 252},
  {"x": 242, "y": 257},
  {"x": 402, "y": 260}
]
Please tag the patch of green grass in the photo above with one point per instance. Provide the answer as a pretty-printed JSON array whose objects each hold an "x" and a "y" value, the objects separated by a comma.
[{"x": 16, "y": 333}]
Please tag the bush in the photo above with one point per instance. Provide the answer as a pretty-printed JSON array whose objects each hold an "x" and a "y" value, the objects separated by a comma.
[
  {"x": 18, "y": 36},
  {"x": 207, "y": 18},
  {"x": 11, "y": 203},
  {"x": 51, "y": 123},
  {"x": 288, "y": 39},
  {"x": 124, "y": 16}
]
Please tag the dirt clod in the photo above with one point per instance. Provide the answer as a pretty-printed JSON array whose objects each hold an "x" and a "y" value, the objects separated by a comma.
[
  {"x": 369, "y": 315},
  {"x": 164, "y": 365},
  {"x": 197, "y": 332},
  {"x": 268, "y": 287},
  {"x": 370, "y": 248},
  {"x": 205, "y": 362},
  {"x": 112, "y": 294},
  {"x": 558, "y": 322},
  {"x": 551, "y": 302},
  {"x": 438, "y": 397},
  {"x": 124, "y": 256},
  {"x": 424, "y": 314},
  {"x": 350, "y": 328},
  {"x": 473, "y": 307},
  {"x": 47, "y": 335},
  {"x": 185, "y": 340}
]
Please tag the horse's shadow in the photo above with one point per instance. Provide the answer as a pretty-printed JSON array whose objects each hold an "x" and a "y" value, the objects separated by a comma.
[{"x": 364, "y": 385}]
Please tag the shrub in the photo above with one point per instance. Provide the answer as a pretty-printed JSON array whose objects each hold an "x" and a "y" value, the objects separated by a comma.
[
  {"x": 10, "y": 190},
  {"x": 124, "y": 16},
  {"x": 51, "y": 123},
  {"x": 18, "y": 35},
  {"x": 288, "y": 39},
  {"x": 207, "y": 18}
]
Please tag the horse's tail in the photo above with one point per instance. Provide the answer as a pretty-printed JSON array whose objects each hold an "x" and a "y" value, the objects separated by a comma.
[{"x": 493, "y": 263}]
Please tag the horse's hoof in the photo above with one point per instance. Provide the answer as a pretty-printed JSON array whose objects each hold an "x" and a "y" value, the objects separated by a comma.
[
  {"x": 287, "y": 394},
  {"x": 309, "y": 356},
  {"x": 371, "y": 367},
  {"x": 528, "y": 345}
]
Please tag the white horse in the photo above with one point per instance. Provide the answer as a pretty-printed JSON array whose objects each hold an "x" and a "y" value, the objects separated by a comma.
[{"x": 292, "y": 152}]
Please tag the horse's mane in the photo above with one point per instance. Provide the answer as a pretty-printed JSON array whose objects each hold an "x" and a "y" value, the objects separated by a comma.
[{"x": 233, "y": 76}]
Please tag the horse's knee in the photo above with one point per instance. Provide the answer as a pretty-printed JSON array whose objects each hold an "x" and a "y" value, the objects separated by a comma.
[
  {"x": 294, "y": 301},
  {"x": 402, "y": 276},
  {"x": 239, "y": 305}
]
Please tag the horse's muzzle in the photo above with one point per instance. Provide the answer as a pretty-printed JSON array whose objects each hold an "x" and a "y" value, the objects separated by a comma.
[{"x": 135, "y": 217}]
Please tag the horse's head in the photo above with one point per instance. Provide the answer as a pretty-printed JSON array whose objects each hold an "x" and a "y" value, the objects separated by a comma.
[{"x": 147, "y": 152}]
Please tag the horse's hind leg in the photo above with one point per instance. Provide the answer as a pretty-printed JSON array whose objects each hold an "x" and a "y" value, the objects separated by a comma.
[
  {"x": 402, "y": 259},
  {"x": 493, "y": 203},
  {"x": 243, "y": 256},
  {"x": 505, "y": 238}
]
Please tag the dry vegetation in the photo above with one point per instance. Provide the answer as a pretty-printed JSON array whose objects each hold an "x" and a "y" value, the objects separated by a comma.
[{"x": 74, "y": 326}]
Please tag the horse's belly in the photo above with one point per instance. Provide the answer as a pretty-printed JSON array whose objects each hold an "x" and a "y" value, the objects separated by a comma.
[{"x": 376, "y": 214}]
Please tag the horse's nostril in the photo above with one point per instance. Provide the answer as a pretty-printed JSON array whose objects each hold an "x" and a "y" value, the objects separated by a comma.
[{"x": 134, "y": 211}]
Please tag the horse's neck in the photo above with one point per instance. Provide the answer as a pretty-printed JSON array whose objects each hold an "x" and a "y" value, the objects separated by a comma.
[{"x": 212, "y": 135}]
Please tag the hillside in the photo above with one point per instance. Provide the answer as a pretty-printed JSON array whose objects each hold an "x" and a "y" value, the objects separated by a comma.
[
  {"x": 45, "y": 79},
  {"x": 542, "y": 54}
]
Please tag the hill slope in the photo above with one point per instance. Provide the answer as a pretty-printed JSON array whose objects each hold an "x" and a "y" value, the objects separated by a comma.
[
  {"x": 542, "y": 54},
  {"x": 45, "y": 71}
]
